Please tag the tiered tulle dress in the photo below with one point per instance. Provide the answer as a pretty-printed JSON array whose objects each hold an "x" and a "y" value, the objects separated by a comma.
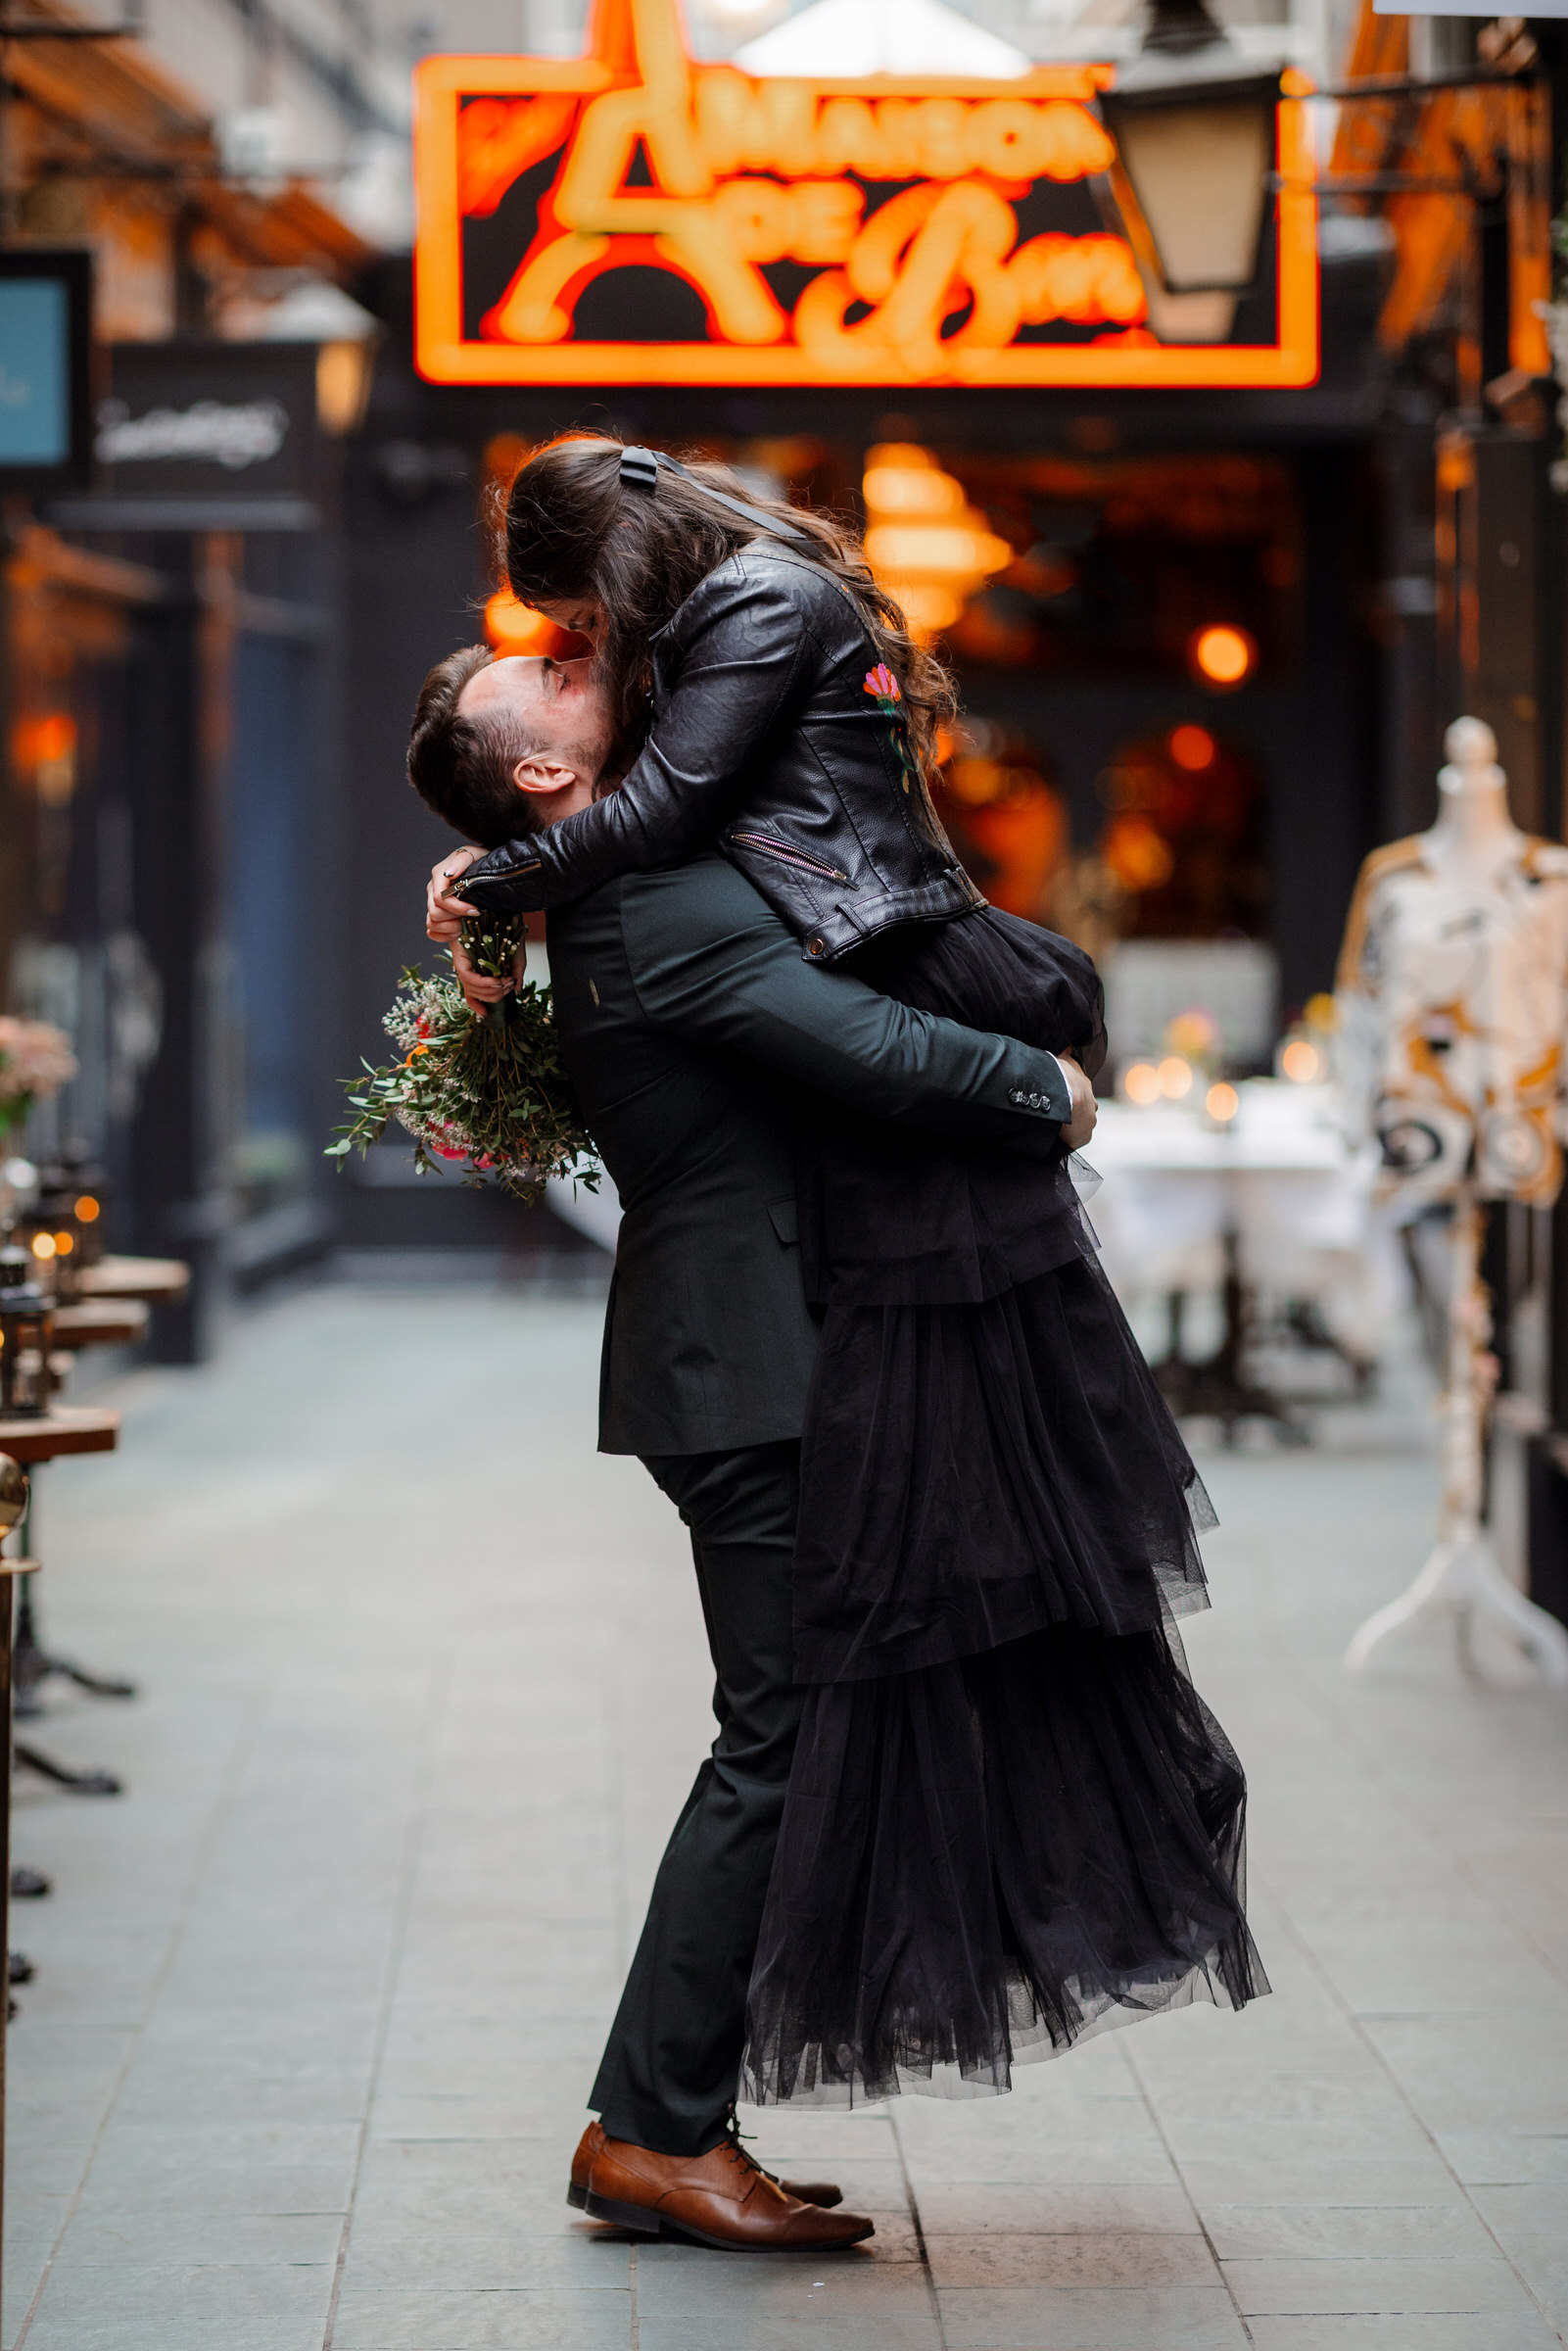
[{"x": 1010, "y": 1818}]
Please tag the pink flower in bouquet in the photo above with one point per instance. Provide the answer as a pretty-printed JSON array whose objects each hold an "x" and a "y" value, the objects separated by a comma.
[{"x": 35, "y": 1059}]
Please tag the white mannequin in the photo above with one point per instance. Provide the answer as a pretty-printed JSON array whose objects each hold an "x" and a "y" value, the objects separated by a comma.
[
  {"x": 1453, "y": 996},
  {"x": 1474, "y": 853},
  {"x": 1474, "y": 835}
]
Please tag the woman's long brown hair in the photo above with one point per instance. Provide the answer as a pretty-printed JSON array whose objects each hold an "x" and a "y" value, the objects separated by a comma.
[{"x": 573, "y": 531}]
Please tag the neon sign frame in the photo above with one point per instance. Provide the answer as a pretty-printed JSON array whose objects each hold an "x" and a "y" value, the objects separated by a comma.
[{"x": 704, "y": 213}]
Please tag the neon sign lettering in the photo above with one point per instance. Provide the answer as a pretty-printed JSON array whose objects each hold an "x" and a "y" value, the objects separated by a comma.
[{"x": 832, "y": 232}]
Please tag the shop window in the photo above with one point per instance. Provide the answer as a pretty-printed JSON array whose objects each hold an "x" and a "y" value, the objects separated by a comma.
[{"x": 1126, "y": 567}]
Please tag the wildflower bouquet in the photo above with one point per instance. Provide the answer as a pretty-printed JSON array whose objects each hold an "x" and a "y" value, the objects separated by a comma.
[
  {"x": 484, "y": 1087},
  {"x": 36, "y": 1061}
]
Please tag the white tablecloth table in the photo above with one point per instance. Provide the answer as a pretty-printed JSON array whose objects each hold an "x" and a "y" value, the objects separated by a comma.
[{"x": 1275, "y": 1202}]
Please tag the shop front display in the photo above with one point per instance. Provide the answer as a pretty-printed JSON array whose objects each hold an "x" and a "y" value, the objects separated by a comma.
[{"x": 173, "y": 735}]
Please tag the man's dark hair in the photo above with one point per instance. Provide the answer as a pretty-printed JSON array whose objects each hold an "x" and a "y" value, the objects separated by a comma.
[{"x": 462, "y": 767}]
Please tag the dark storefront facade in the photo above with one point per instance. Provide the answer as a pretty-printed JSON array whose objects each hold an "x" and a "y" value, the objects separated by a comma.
[{"x": 174, "y": 746}]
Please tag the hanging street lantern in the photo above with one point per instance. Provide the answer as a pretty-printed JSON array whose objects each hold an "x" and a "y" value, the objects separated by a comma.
[
  {"x": 1194, "y": 124},
  {"x": 26, "y": 1339}
]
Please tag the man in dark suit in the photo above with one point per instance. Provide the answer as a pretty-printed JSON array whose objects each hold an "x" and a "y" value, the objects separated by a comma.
[{"x": 697, "y": 1036}]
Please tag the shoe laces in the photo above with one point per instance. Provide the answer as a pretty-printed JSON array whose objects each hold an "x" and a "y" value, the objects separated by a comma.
[{"x": 734, "y": 2139}]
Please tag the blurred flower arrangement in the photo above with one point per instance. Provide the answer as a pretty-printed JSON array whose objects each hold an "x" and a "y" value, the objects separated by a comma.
[
  {"x": 485, "y": 1088},
  {"x": 36, "y": 1061}
]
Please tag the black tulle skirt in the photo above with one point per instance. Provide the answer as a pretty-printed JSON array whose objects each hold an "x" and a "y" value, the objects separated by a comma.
[{"x": 1011, "y": 1819}]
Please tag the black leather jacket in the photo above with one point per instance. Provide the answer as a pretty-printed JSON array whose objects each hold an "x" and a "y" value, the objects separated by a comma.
[{"x": 775, "y": 738}]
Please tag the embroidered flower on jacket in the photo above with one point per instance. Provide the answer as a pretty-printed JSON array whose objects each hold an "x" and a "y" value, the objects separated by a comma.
[{"x": 881, "y": 684}]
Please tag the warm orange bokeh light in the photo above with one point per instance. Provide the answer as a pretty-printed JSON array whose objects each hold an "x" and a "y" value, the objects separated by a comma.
[
  {"x": 1141, "y": 1083},
  {"x": 1301, "y": 1063},
  {"x": 1223, "y": 656},
  {"x": 514, "y": 628},
  {"x": 1222, "y": 1103},
  {"x": 1192, "y": 1034},
  {"x": 1007, "y": 813},
  {"x": 64, "y": 1243},
  {"x": 57, "y": 736},
  {"x": 87, "y": 1210},
  {"x": 1175, "y": 1078},
  {"x": 1140, "y": 858},
  {"x": 1192, "y": 747},
  {"x": 40, "y": 741}
]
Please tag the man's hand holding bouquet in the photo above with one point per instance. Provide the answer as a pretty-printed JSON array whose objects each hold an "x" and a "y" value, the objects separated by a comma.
[{"x": 480, "y": 1079}]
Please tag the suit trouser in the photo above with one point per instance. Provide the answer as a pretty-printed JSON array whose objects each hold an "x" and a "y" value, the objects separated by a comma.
[{"x": 672, "y": 2063}]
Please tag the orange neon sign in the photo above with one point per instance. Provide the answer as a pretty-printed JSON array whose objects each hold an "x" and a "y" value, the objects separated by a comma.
[{"x": 633, "y": 216}]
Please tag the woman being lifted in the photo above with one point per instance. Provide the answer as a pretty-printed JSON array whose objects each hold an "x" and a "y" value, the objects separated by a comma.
[{"x": 1009, "y": 1818}]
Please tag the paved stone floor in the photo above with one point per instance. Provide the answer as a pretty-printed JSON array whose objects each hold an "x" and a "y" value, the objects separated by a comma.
[{"x": 319, "y": 1998}]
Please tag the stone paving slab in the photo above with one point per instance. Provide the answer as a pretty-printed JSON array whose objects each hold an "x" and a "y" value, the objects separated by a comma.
[{"x": 319, "y": 1998}]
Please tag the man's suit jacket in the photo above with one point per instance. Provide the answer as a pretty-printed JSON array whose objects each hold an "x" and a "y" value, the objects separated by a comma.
[{"x": 694, "y": 1036}]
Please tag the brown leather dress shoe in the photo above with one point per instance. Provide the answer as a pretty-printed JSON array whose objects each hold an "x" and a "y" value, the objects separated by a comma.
[
  {"x": 822, "y": 2192},
  {"x": 722, "y": 2198},
  {"x": 587, "y": 2146}
]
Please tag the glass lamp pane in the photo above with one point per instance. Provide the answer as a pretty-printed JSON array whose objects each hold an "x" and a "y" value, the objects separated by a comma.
[{"x": 1198, "y": 170}]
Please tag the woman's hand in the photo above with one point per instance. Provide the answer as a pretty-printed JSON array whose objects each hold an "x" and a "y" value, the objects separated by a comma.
[
  {"x": 1076, "y": 1130},
  {"x": 444, "y": 916}
]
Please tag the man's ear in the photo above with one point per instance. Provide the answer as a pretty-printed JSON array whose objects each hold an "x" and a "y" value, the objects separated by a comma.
[{"x": 541, "y": 774}]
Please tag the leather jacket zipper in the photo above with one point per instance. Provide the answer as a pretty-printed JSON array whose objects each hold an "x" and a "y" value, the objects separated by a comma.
[
  {"x": 785, "y": 855},
  {"x": 531, "y": 867}
]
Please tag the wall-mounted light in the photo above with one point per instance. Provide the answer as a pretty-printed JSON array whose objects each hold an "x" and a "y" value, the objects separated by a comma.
[
  {"x": 44, "y": 750},
  {"x": 344, "y": 370}
]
